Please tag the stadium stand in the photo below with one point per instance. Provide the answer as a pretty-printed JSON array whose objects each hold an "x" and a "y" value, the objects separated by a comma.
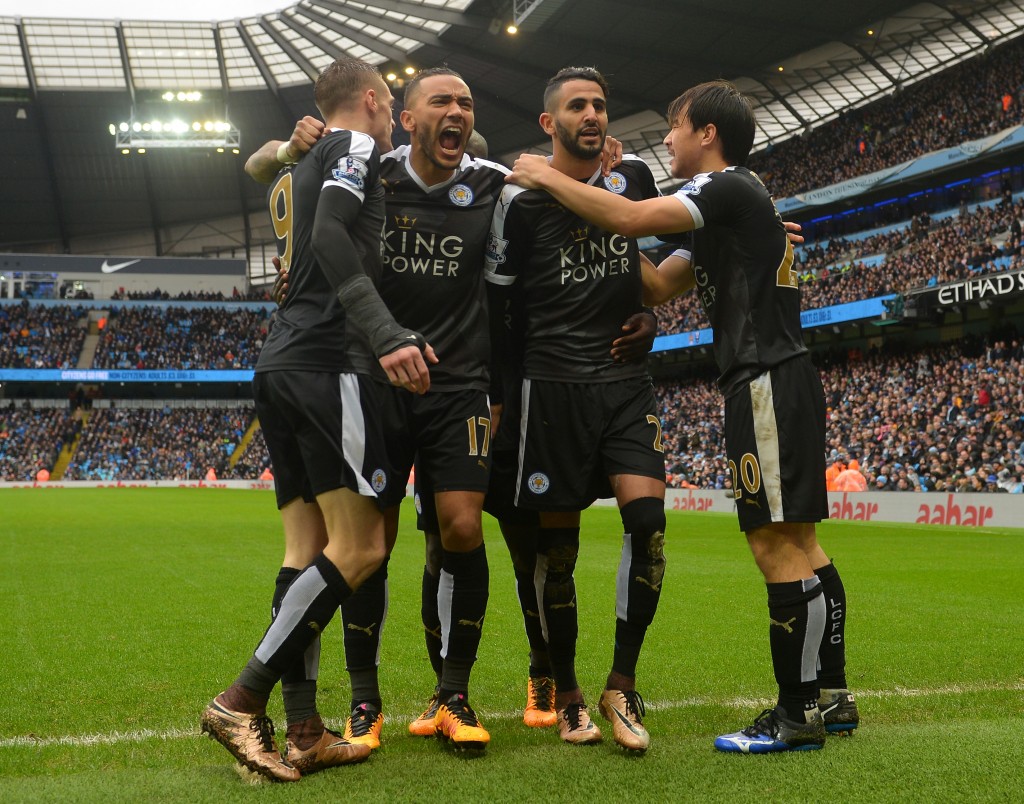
[
  {"x": 181, "y": 338},
  {"x": 36, "y": 336},
  {"x": 31, "y": 438},
  {"x": 156, "y": 440},
  {"x": 932, "y": 406},
  {"x": 963, "y": 103},
  {"x": 982, "y": 239},
  {"x": 940, "y": 418}
]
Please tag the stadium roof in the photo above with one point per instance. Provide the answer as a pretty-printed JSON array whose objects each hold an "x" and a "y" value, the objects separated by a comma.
[{"x": 64, "y": 82}]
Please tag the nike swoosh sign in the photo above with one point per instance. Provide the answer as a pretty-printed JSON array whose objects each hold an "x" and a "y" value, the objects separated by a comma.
[{"x": 107, "y": 268}]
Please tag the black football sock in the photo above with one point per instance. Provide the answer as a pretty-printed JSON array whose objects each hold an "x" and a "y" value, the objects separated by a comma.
[
  {"x": 832, "y": 652},
  {"x": 431, "y": 620},
  {"x": 306, "y": 609},
  {"x": 796, "y": 621},
  {"x": 557, "y": 550},
  {"x": 462, "y": 605},
  {"x": 522, "y": 546},
  {"x": 638, "y": 582},
  {"x": 298, "y": 684},
  {"x": 363, "y": 615}
]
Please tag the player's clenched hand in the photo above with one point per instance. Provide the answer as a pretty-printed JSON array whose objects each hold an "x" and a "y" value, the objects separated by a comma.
[
  {"x": 637, "y": 339},
  {"x": 611, "y": 155},
  {"x": 307, "y": 131},
  {"x": 407, "y": 367},
  {"x": 280, "y": 289},
  {"x": 527, "y": 171}
]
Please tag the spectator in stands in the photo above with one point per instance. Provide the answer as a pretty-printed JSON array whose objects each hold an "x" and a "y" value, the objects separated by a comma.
[
  {"x": 31, "y": 440},
  {"x": 181, "y": 338},
  {"x": 979, "y": 243},
  {"x": 38, "y": 336},
  {"x": 168, "y": 444},
  {"x": 961, "y": 104},
  {"x": 888, "y": 411}
]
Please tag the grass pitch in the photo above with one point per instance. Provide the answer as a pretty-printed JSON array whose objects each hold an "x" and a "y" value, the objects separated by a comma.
[{"x": 126, "y": 610}]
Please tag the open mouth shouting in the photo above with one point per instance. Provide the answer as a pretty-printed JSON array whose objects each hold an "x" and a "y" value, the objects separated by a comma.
[{"x": 450, "y": 141}]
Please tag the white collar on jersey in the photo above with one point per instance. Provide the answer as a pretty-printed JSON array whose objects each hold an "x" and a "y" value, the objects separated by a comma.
[{"x": 403, "y": 152}]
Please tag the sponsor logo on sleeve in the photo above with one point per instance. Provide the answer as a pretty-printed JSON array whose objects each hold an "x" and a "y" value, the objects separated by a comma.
[
  {"x": 496, "y": 249},
  {"x": 352, "y": 171},
  {"x": 692, "y": 187}
]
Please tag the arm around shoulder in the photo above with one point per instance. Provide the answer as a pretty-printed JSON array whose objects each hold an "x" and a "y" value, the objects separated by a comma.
[
  {"x": 264, "y": 165},
  {"x": 669, "y": 279},
  {"x": 651, "y": 216}
]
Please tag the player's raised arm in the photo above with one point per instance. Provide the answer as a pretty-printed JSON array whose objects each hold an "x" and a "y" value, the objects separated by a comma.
[
  {"x": 265, "y": 164},
  {"x": 615, "y": 213}
]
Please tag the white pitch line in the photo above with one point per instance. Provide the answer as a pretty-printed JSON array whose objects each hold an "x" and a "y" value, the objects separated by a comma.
[
  {"x": 139, "y": 735},
  {"x": 113, "y": 738}
]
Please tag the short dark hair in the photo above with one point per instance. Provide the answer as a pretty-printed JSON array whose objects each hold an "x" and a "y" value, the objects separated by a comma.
[
  {"x": 426, "y": 72},
  {"x": 341, "y": 81},
  {"x": 719, "y": 102},
  {"x": 572, "y": 74}
]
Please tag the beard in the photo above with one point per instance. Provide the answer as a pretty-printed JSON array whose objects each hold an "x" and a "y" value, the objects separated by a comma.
[
  {"x": 573, "y": 146},
  {"x": 426, "y": 141}
]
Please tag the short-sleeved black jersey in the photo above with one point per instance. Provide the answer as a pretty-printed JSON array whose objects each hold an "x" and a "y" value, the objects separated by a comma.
[
  {"x": 434, "y": 242},
  {"x": 310, "y": 331},
  {"x": 578, "y": 283},
  {"x": 743, "y": 263}
]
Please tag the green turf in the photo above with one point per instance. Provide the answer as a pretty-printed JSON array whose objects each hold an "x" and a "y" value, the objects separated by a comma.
[{"x": 125, "y": 610}]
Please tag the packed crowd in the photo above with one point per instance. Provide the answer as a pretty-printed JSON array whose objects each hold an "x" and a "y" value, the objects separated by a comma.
[
  {"x": 31, "y": 440},
  {"x": 966, "y": 102},
  {"x": 254, "y": 464},
  {"x": 182, "y": 338},
  {"x": 920, "y": 254},
  {"x": 946, "y": 418},
  {"x": 908, "y": 418},
  {"x": 158, "y": 444},
  {"x": 943, "y": 418},
  {"x": 34, "y": 336}
]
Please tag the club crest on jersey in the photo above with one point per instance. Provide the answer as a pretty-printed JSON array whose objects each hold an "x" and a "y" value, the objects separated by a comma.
[
  {"x": 615, "y": 182},
  {"x": 496, "y": 249},
  {"x": 379, "y": 480},
  {"x": 351, "y": 171},
  {"x": 461, "y": 195},
  {"x": 538, "y": 483}
]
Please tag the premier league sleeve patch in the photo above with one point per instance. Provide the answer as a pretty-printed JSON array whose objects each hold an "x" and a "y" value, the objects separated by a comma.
[
  {"x": 692, "y": 187},
  {"x": 496, "y": 249},
  {"x": 351, "y": 171},
  {"x": 615, "y": 182}
]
